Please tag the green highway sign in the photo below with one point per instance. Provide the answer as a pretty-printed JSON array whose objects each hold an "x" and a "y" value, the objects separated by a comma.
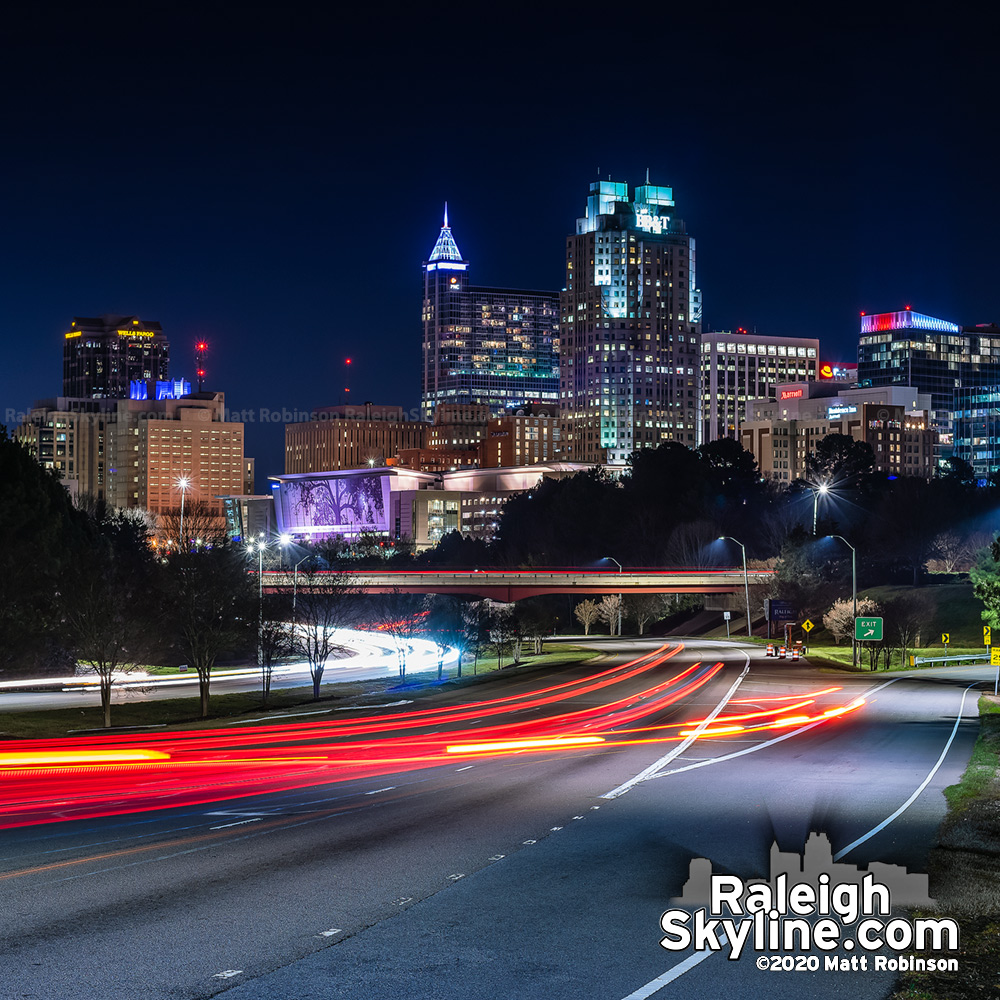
[{"x": 869, "y": 629}]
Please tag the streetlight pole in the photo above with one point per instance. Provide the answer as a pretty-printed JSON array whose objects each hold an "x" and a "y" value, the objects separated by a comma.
[
  {"x": 854, "y": 595},
  {"x": 620, "y": 598},
  {"x": 295, "y": 581},
  {"x": 746, "y": 579},
  {"x": 823, "y": 488},
  {"x": 260, "y": 545},
  {"x": 183, "y": 483}
]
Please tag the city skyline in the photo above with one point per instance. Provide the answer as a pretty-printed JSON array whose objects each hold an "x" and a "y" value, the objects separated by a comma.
[{"x": 269, "y": 216}]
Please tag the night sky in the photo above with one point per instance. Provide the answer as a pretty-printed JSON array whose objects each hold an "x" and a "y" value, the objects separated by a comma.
[{"x": 271, "y": 180}]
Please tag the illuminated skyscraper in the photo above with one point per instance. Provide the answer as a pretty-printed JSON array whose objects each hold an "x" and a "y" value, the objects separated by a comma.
[
  {"x": 935, "y": 355},
  {"x": 630, "y": 327},
  {"x": 496, "y": 346},
  {"x": 102, "y": 356},
  {"x": 738, "y": 367}
]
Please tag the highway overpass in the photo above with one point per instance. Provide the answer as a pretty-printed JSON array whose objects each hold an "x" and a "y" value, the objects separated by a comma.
[{"x": 514, "y": 585}]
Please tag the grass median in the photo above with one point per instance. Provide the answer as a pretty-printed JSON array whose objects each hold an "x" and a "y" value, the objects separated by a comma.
[{"x": 964, "y": 871}]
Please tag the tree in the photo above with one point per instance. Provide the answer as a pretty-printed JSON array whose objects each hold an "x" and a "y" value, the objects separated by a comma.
[
  {"x": 204, "y": 526},
  {"x": 643, "y": 608},
  {"x": 985, "y": 578},
  {"x": 445, "y": 623},
  {"x": 276, "y": 640},
  {"x": 476, "y": 622},
  {"x": 111, "y": 616},
  {"x": 536, "y": 623},
  {"x": 839, "y": 620},
  {"x": 956, "y": 552},
  {"x": 325, "y": 601},
  {"x": 839, "y": 459},
  {"x": 587, "y": 614},
  {"x": 399, "y": 617},
  {"x": 610, "y": 610},
  {"x": 44, "y": 539},
  {"x": 691, "y": 545},
  {"x": 903, "y": 620},
  {"x": 501, "y": 629},
  {"x": 211, "y": 608}
]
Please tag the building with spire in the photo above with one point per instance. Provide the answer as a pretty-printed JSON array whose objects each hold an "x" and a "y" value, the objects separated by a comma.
[
  {"x": 492, "y": 346},
  {"x": 630, "y": 327}
]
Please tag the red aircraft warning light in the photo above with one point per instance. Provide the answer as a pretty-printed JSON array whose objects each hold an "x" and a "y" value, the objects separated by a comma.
[{"x": 200, "y": 347}]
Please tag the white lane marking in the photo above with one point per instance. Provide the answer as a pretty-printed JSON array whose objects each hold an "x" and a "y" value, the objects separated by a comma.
[
  {"x": 554, "y": 828},
  {"x": 403, "y": 900},
  {"x": 330, "y": 932},
  {"x": 498, "y": 857},
  {"x": 379, "y": 791},
  {"x": 577, "y": 817},
  {"x": 466, "y": 768},
  {"x": 239, "y": 822},
  {"x": 740, "y": 753},
  {"x": 650, "y": 771},
  {"x": 768, "y": 743},
  {"x": 289, "y": 715},
  {"x": 228, "y": 974},
  {"x": 529, "y": 841},
  {"x": 906, "y": 805},
  {"x": 657, "y": 984},
  {"x": 455, "y": 878}
]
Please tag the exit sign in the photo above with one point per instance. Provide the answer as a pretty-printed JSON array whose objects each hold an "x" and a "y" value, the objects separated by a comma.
[{"x": 868, "y": 629}]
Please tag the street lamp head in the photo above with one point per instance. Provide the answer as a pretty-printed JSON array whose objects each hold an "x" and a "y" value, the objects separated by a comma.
[
  {"x": 824, "y": 487},
  {"x": 284, "y": 538},
  {"x": 183, "y": 483}
]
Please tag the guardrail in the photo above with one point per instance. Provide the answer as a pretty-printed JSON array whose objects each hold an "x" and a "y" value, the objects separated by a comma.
[{"x": 917, "y": 660}]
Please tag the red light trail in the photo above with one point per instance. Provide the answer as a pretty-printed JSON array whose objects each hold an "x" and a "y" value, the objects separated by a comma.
[{"x": 103, "y": 775}]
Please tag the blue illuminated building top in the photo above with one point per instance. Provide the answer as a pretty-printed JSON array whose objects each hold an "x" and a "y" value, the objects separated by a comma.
[
  {"x": 172, "y": 389},
  {"x": 445, "y": 255}
]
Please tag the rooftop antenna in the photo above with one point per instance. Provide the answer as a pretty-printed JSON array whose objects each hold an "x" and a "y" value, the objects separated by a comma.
[
  {"x": 199, "y": 362},
  {"x": 446, "y": 215},
  {"x": 347, "y": 361},
  {"x": 647, "y": 175}
]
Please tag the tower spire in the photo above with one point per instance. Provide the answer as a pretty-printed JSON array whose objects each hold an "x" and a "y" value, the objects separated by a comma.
[{"x": 445, "y": 248}]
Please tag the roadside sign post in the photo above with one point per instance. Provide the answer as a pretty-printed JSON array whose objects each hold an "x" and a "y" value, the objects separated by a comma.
[
  {"x": 727, "y": 615},
  {"x": 807, "y": 627},
  {"x": 945, "y": 639},
  {"x": 995, "y": 662}
]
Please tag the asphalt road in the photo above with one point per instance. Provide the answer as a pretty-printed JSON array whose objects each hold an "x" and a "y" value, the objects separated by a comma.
[{"x": 510, "y": 877}]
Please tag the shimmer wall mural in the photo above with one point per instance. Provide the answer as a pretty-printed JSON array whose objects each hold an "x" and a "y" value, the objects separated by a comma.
[{"x": 334, "y": 506}]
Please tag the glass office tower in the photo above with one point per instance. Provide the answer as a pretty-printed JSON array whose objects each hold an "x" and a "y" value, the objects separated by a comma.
[
  {"x": 630, "y": 327},
  {"x": 493, "y": 346}
]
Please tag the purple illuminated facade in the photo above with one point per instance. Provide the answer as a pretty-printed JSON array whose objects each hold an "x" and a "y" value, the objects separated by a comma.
[{"x": 344, "y": 503}]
